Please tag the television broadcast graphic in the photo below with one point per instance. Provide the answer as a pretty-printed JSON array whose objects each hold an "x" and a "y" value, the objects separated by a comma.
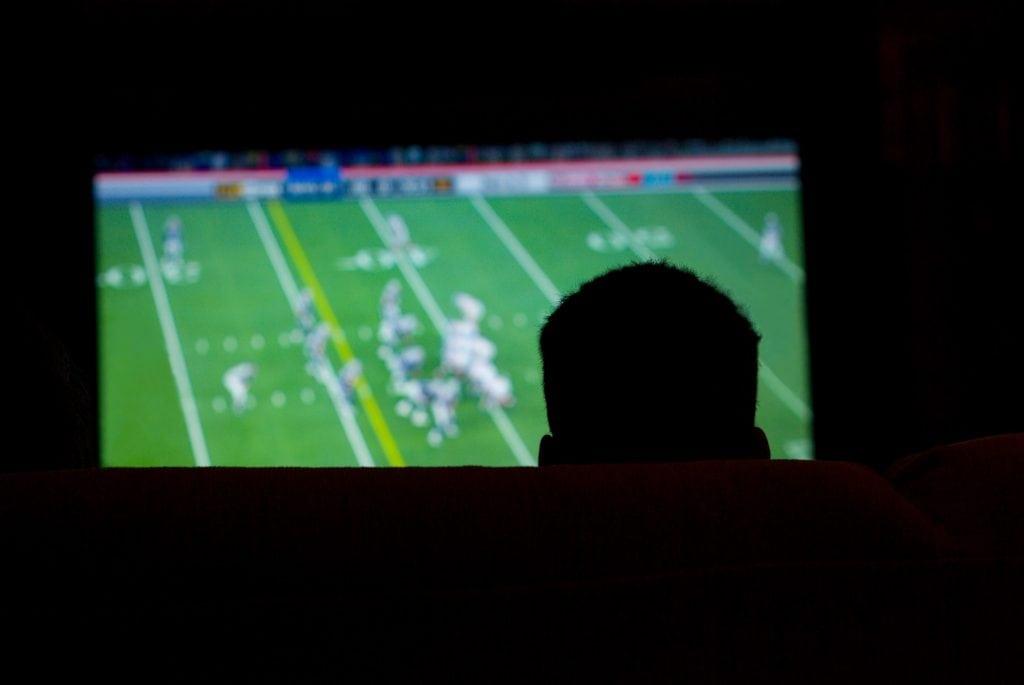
[{"x": 362, "y": 308}]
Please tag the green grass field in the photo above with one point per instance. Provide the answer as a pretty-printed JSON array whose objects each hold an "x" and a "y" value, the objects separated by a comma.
[{"x": 165, "y": 345}]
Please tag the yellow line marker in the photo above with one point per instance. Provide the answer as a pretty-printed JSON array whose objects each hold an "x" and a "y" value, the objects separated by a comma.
[{"x": 341, "y": 344}]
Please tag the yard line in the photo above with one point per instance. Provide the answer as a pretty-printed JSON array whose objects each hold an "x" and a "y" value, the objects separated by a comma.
[
  {"x": 440, "y": 321},
  {"x": 512, "y": 437},
  {"x": 782, "y": 391},
  {"x": 171, "y": 340},
  {"x": 291, "y": 291},
  {"x": 524, "y": 258},
  {"x": 341, "y": 344},
  {"x": 423, "y": 293},
  {"x": 789, "y": 398},
  {"x": 743, "y": 230}
]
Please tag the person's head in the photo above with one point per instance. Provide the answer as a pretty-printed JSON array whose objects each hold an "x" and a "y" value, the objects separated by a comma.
[{"x": 649, "y": 363}]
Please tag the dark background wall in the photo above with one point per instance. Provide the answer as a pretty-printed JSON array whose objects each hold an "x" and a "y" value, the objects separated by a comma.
[{"x": 903, "y": 112}]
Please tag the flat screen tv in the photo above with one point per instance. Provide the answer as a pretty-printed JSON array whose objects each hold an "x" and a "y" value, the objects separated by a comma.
[{"x": 382, "y": 307}]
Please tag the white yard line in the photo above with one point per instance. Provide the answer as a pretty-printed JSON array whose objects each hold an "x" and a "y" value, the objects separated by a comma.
[
  {"x": 782, "y": 391},
  {"x": 512, "y": 437},
  {"x": 291, "y": 291},
  {"x": 536, "y": 274},
  {"x": 410, "y": 273},
  {"x": 789, "y": 398},
  {"x": 744, "y": 230},
  {"x": 524, "y": 258},
  {"x": 437, "y": 317},
  {"x": 171, "y": 340}
]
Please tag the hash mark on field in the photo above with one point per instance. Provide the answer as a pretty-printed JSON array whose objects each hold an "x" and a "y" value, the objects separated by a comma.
[
  {"x": 495, "y": 322},
  {"x": 257, "y": 342},
  {"x": 307, "y": 396},
  {"x": 202, "y": 346},
  {"x": 230, "y": 344},
  {"x": 365, "y": 333},
  {"x": 277, "y": 399},
  {"x": 519, "y": 320},
  {"x": 618, "y": 226},
  {"x": 219, "y": 405}
]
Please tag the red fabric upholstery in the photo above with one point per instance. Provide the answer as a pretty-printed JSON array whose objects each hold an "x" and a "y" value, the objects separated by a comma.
[
  {"x": 460, "y": 527},
  {"x": 716, "y": 571},
  {"x": 973, "y": 490}
]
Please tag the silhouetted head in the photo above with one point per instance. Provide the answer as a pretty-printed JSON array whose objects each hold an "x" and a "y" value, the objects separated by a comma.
[{"x": 649, "y": 363}]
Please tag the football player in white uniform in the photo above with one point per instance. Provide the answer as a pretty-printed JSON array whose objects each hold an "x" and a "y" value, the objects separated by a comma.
[
  {"x": 173, "y": 248},
  {"x": 237, "y": 380},
  {"x": 399, "y": 232},
  {"x": 771, "y": 239},
  {"x": 444, "y": 395},
  {"x": 348, "y": 378},
  {"x": 471, "y": 308},
  {"x": 390, "y": 300},
  {"x": 304, "y": 311},
  {"x": 497, "y": 392},
  {"x": 457, "y": 348},
  {"x": 394, "y": 331},
  {"x": 406, "y": 363},
  {"x": 316, "y": 351}
]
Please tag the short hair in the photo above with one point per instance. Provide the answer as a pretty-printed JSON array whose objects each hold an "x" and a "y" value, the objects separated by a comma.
[{"x": 650, "y": 357}]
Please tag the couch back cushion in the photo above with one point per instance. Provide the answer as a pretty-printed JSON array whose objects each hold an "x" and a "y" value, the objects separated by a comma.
[
  {"x": 973, "y": 490},
  {"x": 449, "y": 527}
]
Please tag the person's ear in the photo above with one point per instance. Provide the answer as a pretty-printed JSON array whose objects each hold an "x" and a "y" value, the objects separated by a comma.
[
  {"x": 759, "y": 444},
  {"x": 547, "y": 451}
]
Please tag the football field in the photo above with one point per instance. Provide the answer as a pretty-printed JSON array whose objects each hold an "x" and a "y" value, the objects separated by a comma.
[{"x": 166, "y": 342}]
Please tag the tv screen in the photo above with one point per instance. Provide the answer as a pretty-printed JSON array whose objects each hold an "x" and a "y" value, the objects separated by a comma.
[{"x": 382, "y": 307}]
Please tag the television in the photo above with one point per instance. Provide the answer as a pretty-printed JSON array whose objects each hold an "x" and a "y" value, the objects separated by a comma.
[{"x": 381, "y": 307}]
